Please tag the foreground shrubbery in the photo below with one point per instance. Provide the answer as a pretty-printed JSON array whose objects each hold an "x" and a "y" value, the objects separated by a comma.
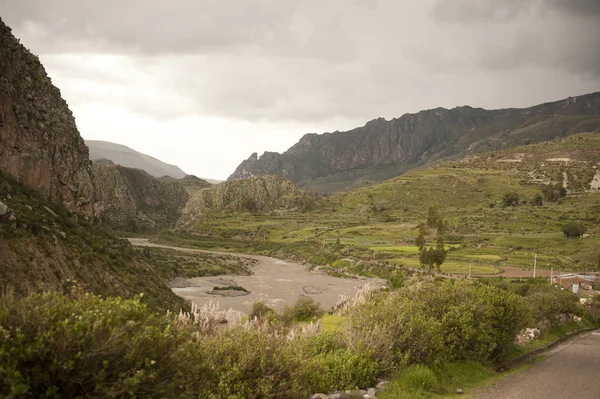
[
  {"x": 55, "y": 345},
  {"x": 437, "y": 322}
]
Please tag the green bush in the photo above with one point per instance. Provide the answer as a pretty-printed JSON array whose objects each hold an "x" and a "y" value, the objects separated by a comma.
[
  {"x": 510, "y": 199},
  {"x": 260, "y": 311},
  {"x": 305, "y": 309},
  {"x": 54, "y": 346},
  {"x": 340, "y": 368},
  {"x": 437, "y": 322},
  {"x": 573, "y": 229},
  {"x": 548, "y": 304}
]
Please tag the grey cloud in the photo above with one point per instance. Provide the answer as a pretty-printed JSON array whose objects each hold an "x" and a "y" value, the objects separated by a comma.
[
  {"x": 309, "y": 60},
  {"x": 588, "y": 8}
]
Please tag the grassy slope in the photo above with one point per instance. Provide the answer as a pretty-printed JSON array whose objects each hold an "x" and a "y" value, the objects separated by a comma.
[
  {"x": 51, "y": 247},
  {"x": 379, "y": 221}
]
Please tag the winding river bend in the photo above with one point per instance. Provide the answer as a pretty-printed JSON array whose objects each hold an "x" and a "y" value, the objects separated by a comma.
[{"x": 275, "y": 282}]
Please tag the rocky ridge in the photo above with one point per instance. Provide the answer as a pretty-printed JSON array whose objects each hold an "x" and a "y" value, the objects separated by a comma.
[
  {"x": 255, "y": 194},
  {"x": 39, "y": 141},
  {"x": 132, "y": 200},
  {"x": 383, "y": 149}
]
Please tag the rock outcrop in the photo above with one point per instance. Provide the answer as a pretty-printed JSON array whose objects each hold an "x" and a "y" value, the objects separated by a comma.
[
  {"x": 383, "y": 149},
  {"x": 39, "y": 141},
  {"x": 132, "y": 200},
  {"x": 255, "y": 194},
  {"x": 191, "y": 183}
]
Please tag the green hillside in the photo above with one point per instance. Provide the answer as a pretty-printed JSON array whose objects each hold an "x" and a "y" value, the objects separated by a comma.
[{"x": 378, "y": 223}]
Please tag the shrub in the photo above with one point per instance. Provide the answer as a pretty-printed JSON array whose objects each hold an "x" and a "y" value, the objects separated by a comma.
[
  {"x": 305, "y": 309},
  {"x": 435, "y": 322},
  {"x": 573, "y": 229},
  {"x": 56, "y": 346},
  {"x": 260, "y": 311},
  {"x": 548, "y": 304},
  {"x": 510, "y": 199},
  {"x": 537, "y": 200}
]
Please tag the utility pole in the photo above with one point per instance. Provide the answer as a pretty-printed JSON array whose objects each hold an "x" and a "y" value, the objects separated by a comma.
[
  {"x": 534, "y": 264},
  {"x": 551, "y": 275}
]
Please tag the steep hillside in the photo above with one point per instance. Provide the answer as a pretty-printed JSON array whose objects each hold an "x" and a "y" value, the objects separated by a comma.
[
  {"x": 125, "y": 156},
  {"x": 132, "y": 200},
  {"x": 39, "y": 142},
  {"x": 383, "y": 149},
  {"x": 378, "y": 223},
  {"x": 255, "y": 194},
  {"x": 42, "y": 244},
  {"x": 191, "y": 183}
]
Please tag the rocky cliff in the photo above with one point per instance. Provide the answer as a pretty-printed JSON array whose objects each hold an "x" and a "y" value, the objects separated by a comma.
[
  {"x": 39, "y": 142},
  {"x": 383, "y": 149},
  {"x": 131, "y": 199},
  {"x": 255, "y": 194}
]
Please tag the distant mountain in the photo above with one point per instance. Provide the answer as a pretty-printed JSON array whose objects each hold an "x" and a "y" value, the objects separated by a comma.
[
  {"x": 384, "y": 149},
  {"x": 125, "y": 156}
]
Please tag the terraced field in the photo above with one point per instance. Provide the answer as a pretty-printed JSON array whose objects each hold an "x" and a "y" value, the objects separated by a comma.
[{"x": 377, "y": 225}]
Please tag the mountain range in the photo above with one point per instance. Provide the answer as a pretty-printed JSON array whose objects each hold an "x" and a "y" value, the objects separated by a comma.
[{"x": 383, "y": 149}]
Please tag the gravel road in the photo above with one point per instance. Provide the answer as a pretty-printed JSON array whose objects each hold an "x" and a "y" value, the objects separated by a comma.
[{"x": 572, "y": 370}]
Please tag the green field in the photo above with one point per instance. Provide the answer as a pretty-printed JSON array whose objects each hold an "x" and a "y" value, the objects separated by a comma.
[{"x": 378, "y": 224}]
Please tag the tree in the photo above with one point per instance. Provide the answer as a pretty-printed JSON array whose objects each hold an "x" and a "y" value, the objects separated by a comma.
[
  {"x": 420, "y": 241},
  {"x": 439, "y": 256},
  {"x": 510, "y": 199},
  {"x": 537, "y": 200},
  {"x": 433, "y": 216},
  {"x": 442, "y": 226},
  {"x": 573, "y": 229},
  {"x": 554, "y": 192}
]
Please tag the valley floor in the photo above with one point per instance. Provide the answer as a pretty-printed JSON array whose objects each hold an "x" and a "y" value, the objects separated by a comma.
[{"x": 275, "y": 282}]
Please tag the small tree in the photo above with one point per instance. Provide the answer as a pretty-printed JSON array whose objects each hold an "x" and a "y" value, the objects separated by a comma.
[
  {"x": 433, "y": 215},
  {"x": 442, "y": 226},
  {"x": 439, "y": 256},
  {"x": 537, "y": 200},
  {"x": 510, "y": 199},
  {"x": 420, "y": 241},
  {"x": 573, "y": 229}
]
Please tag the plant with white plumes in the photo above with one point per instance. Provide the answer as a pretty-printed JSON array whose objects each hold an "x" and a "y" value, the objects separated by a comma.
[{"x": 347, "y": 302}]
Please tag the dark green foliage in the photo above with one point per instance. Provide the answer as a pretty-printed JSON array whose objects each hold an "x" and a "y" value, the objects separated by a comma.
[
  {"x": 420, "y": 241},
  {"x": 537, "y": 200},
  {"x": 433, "y": 215},
  {"x": 305, "y": 309},
  {"x": 554, "y": 192},
  {"x": 510, "y": 199},
  {"x": 573, "y": 229}
]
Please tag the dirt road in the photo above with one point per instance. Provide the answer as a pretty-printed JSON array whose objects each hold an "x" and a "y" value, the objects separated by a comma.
[
  {"x": 572, "y": 370},
  {"x": 275, "y": 282}
]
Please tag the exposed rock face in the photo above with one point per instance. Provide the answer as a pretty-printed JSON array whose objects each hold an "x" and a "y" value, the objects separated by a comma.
[
  {"x": 257, "y": 193},
  {"x": 132, "y": 200},
  {"x": 39, "y": 142},
  {"x": 382, "y": 149}
]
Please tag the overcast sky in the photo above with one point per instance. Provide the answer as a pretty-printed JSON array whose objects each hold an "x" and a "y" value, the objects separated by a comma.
[{"x": 204, "y": 83}]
